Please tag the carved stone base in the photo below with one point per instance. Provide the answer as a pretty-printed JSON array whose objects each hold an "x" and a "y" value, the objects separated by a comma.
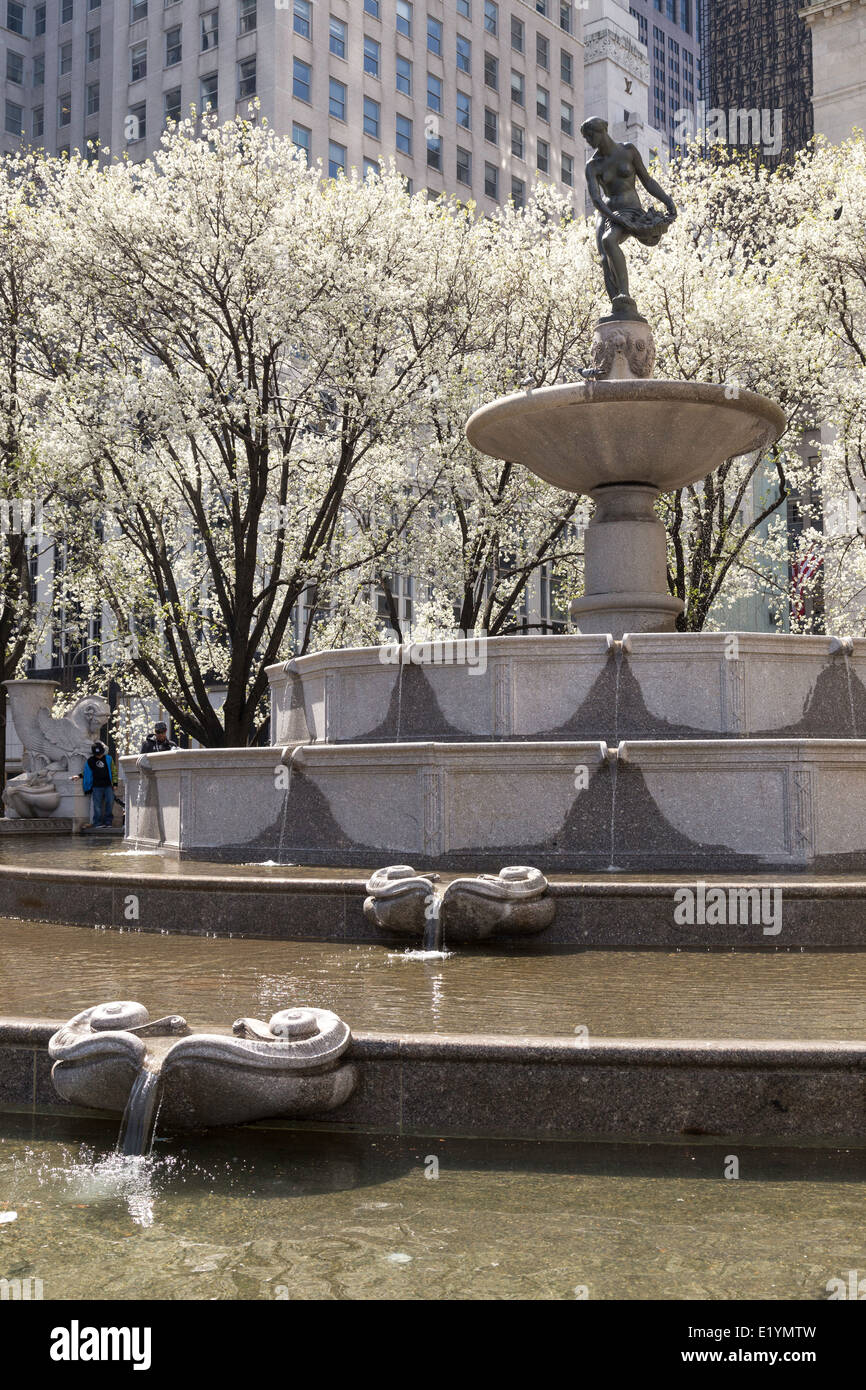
[{"x": 623, "y": 349}]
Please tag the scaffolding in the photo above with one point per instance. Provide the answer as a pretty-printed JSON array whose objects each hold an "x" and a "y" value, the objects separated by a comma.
[{"x": 758, "y": 55}]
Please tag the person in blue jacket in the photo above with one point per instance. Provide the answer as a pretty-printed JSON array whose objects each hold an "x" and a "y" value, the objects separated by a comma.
[{"x": 98, "y": 779}]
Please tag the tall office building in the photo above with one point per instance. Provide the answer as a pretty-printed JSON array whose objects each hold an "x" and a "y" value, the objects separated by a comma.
[
  {"x": 671, "y": 32},
  {"x": 757, "y": 58},
  {"x": 617, "y": 74},
  {"x": 472, "y": 97},
  {"x": 838, "y": 32}
]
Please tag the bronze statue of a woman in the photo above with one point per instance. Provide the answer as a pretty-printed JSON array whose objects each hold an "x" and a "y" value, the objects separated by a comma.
[{"x": 611, "y": 174}]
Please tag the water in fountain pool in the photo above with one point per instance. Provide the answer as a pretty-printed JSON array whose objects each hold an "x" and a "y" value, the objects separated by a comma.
[
  {"x": 276, "y": 1214},
  {"x": 54, "y": 971}
]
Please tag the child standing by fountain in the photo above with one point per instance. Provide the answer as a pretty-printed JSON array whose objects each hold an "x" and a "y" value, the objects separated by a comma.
[{"x": 98, "y": 779}]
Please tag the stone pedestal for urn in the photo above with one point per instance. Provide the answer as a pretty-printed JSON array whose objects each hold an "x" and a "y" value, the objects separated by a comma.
[{"x": 623, "y": 438}]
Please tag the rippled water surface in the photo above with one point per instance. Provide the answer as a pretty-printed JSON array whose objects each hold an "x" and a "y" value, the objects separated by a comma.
[
  {"x": 55, "y": 971},
  {"x": 265, "y": 1214}
]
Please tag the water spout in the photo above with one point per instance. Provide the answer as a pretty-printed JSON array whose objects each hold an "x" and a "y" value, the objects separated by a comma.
[
  {"x": 433, "y": 922},
  {"x": 844, "y": 646},
  {"x": 290, "y": 755},
  {"x": 138, "y": 1125}
]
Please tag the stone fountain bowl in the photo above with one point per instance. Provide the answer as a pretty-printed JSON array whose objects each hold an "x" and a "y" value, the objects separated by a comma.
[{"x": 663, "y": 433}]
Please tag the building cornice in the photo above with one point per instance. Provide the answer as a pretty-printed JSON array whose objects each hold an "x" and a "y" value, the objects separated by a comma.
[
  {"x": 828, "y": 9},
  {"x": 612, "y": 43}
]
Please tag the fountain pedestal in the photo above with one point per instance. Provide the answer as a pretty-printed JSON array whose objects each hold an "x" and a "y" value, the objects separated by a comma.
[{"x": 625, "y": 559}]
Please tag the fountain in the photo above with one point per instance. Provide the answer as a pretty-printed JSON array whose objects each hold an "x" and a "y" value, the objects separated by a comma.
[
  {"x": 512, "y": 904},
  {"x": 288, "y": 1067},
  {"x": 735, "y": 751}
]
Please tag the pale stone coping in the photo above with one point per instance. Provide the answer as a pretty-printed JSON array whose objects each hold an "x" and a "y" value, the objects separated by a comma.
[
  {"x": 575, "y": 646},
  {"x": 528, "y": 753},
  {"x": 590, "y": 884},
  {"x": 20, "y": 1031},
  {"x": 529, "y": 645}
]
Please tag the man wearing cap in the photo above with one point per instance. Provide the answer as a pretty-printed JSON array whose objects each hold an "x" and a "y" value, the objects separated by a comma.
[
  {"x": 158, "y": 741},
  {"x": 98, "y": 779}
]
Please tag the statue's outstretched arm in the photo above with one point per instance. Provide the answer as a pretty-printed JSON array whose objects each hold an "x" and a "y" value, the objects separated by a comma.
[{"x": 654, "y": 189}]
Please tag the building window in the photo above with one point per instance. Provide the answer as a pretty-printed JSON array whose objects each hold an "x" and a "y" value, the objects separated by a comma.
[
  {"x": 671, "y": 10},
  {"x": 434, "y": 36},
  {"x": 337, "y": 99},
  {"x": 404, "y": 18},
  {"x": 464, "y": 8},
  {"x": 336, "y": 159},
  {"x": 371, "y": 117},
  {"x": 464, "y": 110},
  {"x": 565, "y": 21},
  {"x": 173, "y": 46},
  {"x": 491, "y": 126},
  {"x": 39, "y": 70},
  {"x": 491, "y": 72},
  {"x": 371, "y": 168},
  {"x": 67, "y": 9},
  {"x": 91, "y": 5},
  {"x": 518, "y": 88},
  {"x": 210, "y": 30},
  {"x": 541, "y": 7},
  {"x": 247, "y": 17},
  {"x": 171, "y": 105},
  {"x": 566, "y": 67},
  {"x": 14, "y": 124},
  {"x": 518, "y": 141},
  {"x": 302, "y": 77},
  {"x": 337, "y": 37},
  {"x": 542, "y": 157},
  {"x": 39, "y": 120},
  {"x": 372, "y": 7},
  {"x": 518, "y": 192},
  {"x": 15, "y": 22},
  {"x": 518, "y": 30},
  {"x": 303, "y": 138},
  {"x": 491, "y": 17},
  {"x": 434, "y": 92},
  {"x": 137, "y": 10},
  {"x": 38, "y": 20},
  {"x": 247, "y": 77},
  {"x": 66, "y": 58},
  {"x": 371, "y": 57},
  {"x": 404, "y": 76},
  {"x": 14, "y": 67},
  {"x": 568, "y": 170},
  {"x": 542, "y": 104},
  {"x": 94, "y": 45},
  {"x": 404, "y": 135},
  {"x": 434, "y": 152},
  {"x": 491, "y": 180},
  {"x": 302, "y": 18},
  {"x": 64, "y": 109},
  {"x": 542, "y": 51},
  {"x": 464, "y": 54},
  {"x": 210, "y": 92},
  {"x": 464, "y": 166},
  {"x": 92, "y": 107},
  {"x": 566, "y": 118},
  {"x": 137, "y": 62},
  {"x": 686, "y": 15}
]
